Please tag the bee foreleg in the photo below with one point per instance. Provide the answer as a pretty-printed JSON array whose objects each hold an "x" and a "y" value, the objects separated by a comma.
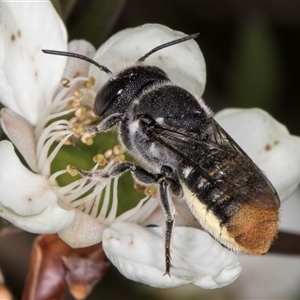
[
  {"x": 140, "y": 174},
  {"x": 169, "y": 211},
  {"x": 105, "y": 125}
]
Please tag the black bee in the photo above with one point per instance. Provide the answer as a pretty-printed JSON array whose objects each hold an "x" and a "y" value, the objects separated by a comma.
[{"x": 183, "y": 150}]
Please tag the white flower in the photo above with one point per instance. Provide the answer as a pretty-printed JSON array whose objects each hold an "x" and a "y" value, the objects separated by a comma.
[
  {"x": 268, "y": 143},
  {"x": 35, "y": 117}
]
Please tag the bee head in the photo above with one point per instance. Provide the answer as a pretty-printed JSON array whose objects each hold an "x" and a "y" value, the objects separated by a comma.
[{"x": 118, "y": 92}]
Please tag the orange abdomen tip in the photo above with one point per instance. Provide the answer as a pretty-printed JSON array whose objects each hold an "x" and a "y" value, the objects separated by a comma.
[{"x": 254, "y": 229}]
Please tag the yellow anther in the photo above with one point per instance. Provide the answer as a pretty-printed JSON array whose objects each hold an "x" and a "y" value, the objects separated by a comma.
[
  {"x": 118, "y": 149},
  {"x": 77, "y": 93},
  {"x": 90, "y": 82},
  {"x": 147, "y": 190},
  {"x": 139, "y": 187},
  {"x": 122, "y": 157},
  {"x": 80, "y": 112},
  {"x": 100, "y": 159},
  {"x": 65, "y": 82},
  {"x": 89, "y": 118},
  {"x": 72, "y": 170},
  {"x": 151, "y": 191},
  {"x": 75, "y": 102},
  {"x": 78, "y": 129},
  {"x": 108, "y": 153},
  {"x": 87, "y": 138}
]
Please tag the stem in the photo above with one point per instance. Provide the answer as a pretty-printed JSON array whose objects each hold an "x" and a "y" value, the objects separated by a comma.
[{"x": 286, "y": 244}]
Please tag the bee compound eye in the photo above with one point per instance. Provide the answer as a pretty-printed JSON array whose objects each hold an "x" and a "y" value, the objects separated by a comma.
[{"x": 107, "y": 94}]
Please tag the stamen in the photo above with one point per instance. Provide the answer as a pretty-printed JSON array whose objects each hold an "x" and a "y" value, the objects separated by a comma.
[
  {"x": 67, "y": 142},
  {"x": 45, "y": 169},
  {"x": 147, "y": 190},
  {"x": 65, "y": 82},
  {"x": 74, "y": 102},
  {"x": 76, "y": 83},
  {"x": 77, "y": 93},
  {"x": 114, "y": 206},
  {"x": 52, "y": 178},
  {"x": 105, "y": 203},
  {"x": 71, "y": 191},
  {"x": 116, "y": 154},
  {"x": 100, "y": 159},
  {"x": 145, "y": 211},
  {"x": 117, "y": 149},
  {"x": 79, "y": 188},
  {"x": 90, "y": 117},
  {"x": 87, "y": 138},
  {"x": 121, "y": 157},
  {"x": 80, "y": 112},
  {"x": 79, "y": 129},
  {"x": 40, "y": 127},
  {"x": 91, "y": 203},
  {"x": 151, "y": 191},
  {"x": 108, "y": 153},
  {"x": 140, "y": 188},
  {"x": 90, "y": 82},
  {"x": 72, "y": 171},
  {"x": 140, "y": 212},
  {"x": 62, "y": 125},
  {"x": 94, "y": 207},
  {"x": 98, "y": 198}
]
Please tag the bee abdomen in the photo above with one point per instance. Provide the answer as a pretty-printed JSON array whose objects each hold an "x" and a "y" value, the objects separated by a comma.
[
  {"x": 216, "y": 200},
  {"x": 226, "y": 215}
]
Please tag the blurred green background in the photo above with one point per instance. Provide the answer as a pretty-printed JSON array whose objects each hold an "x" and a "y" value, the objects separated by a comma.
[{"x": 252, "y": 53}]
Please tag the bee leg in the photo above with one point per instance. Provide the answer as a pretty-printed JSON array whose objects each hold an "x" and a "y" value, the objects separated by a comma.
[
  {"x": 144, "y": 177},
  {"x": 169, "y": 211},
  {"x": 164, "y": 181},
  {"x": 103, "y": 126},
  {"x": 140, "y": 175}
]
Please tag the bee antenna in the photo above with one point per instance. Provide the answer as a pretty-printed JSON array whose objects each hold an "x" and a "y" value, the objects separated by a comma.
[
  {"x": 181, "y": 40},
  {"x": 76, "y": 55}
]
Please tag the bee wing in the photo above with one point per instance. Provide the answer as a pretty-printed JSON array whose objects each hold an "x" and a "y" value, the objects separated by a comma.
[{"x": 241, "y": 173}]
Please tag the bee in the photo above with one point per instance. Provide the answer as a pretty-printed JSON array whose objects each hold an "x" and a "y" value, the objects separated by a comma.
[{"x": 181, "y": 148}]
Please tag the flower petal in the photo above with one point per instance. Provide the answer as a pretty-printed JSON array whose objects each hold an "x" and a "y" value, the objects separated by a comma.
[
  {"x": 184, "y": 62},
  {"x": 50, "y": 220},
  {"x": 197, "y": 258},
  {"x": 76, "y": 67},
  {"x": 20, "y": 132},
  {"x": 268, "y": 143},
  {"x": 26, "y": 82},
  {"x": 27, "y": 200},
  {"x": 84, "y": 231}
]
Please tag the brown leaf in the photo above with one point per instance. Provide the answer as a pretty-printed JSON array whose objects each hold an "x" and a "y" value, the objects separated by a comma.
[{"x": 54, "y": 266}]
